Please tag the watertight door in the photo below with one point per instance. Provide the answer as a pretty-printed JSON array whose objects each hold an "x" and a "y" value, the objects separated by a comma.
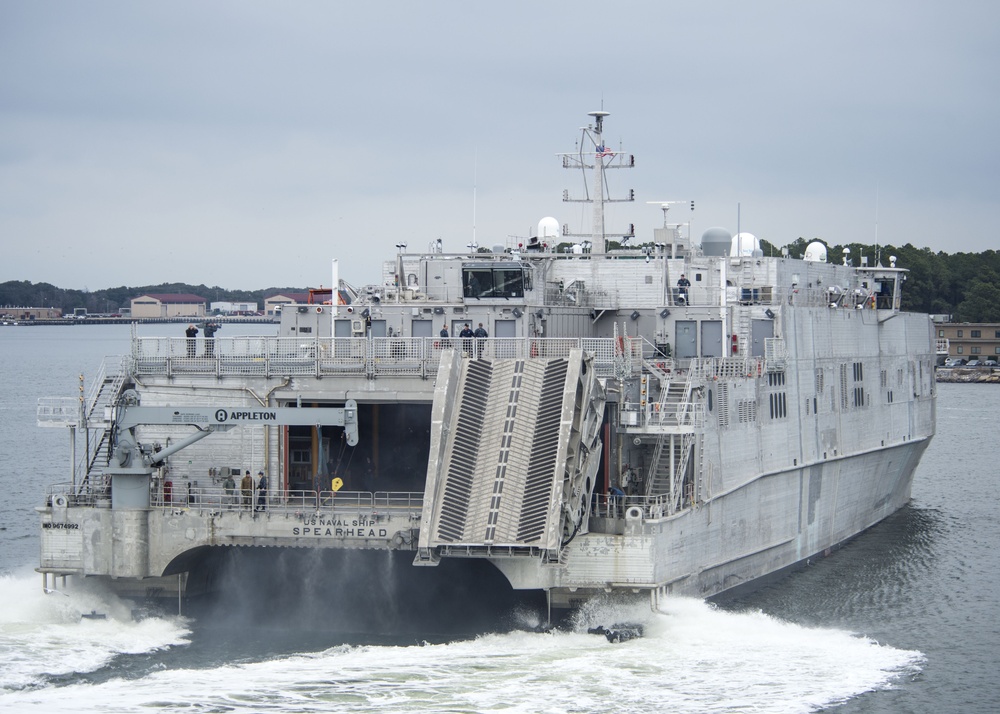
[
  {"x": 760, "y": 330},
  {"x": 686, "y": 339},
  {"x": 711, "y": 338}
]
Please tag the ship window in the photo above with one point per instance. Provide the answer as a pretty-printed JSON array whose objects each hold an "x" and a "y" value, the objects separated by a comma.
[
  {"x": 487, "y": 282},
  {"x": 478, "y": 283}
]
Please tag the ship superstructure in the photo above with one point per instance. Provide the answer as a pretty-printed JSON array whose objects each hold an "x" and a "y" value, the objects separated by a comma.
[{"x": 669, "y": 418}]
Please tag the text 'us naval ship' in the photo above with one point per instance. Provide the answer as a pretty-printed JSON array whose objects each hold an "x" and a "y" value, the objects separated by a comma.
[{"x": 667, "y": 419}]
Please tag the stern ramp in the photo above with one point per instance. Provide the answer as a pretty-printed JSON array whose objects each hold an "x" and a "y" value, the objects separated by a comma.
[{"x": 515, "y": 447}]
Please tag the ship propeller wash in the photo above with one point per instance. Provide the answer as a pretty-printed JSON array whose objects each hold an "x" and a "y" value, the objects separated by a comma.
[{"x": 588, "y": 416}]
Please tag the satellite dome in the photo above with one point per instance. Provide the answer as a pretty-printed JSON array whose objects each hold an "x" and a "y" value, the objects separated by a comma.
[
  {"x": 744, "y": 245},
  {"x": 716, "y": 241},
  {"x": 815, "y": 252},
  {"x": 548, "y": 227}
]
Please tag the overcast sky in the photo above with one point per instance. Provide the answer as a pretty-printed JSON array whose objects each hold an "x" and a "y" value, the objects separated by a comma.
[{"x": 245, "y": 144}]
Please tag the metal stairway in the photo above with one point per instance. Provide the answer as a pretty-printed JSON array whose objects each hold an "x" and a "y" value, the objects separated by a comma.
[
  {"x": 514, "y": 450},
  {"x": 99, "y": 405},
  {"x": 676, "y": 416}
]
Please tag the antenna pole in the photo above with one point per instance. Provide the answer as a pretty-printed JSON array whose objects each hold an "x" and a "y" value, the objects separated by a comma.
[
  {"x": 599, "y": 239},
  {"x": 877, "y": 263},
  {"x": 475, "y": 182}
]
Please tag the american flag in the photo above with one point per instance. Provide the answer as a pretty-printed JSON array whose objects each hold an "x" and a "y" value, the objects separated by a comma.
[{"x": 602, "y": 150}]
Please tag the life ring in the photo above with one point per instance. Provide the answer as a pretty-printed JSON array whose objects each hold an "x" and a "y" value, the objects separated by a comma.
[
  {"x": 60, "y": 501},
  {"x": 319, "y": 310},
  {"x": 634, "y": 513}
]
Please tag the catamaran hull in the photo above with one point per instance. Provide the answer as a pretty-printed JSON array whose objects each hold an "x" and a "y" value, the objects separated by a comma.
[{"x": 771, "y": 523}]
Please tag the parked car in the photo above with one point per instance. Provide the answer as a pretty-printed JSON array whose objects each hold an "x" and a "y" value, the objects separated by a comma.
[
  {"x": 954, "y": 362},
  {"x": 989, "y": 363},
  {"x": 973, "y": 363}
]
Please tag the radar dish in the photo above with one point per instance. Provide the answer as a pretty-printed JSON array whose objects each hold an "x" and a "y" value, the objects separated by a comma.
[
  {"x": 548, "y": 227},
  {"x": 716, "y": 241},
  {"x": 815, "y": 252},
  {"x": 744, "y": 245}
]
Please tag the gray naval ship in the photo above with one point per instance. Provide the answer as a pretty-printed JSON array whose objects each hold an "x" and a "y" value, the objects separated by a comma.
[{"x": 674, "y": 418}]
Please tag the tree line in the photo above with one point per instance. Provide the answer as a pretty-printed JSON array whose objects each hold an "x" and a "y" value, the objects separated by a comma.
[{"x": 963, "y": 285}]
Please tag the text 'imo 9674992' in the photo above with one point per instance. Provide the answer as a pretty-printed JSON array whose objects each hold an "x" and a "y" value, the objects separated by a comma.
[{"x": 584, "y": 415}]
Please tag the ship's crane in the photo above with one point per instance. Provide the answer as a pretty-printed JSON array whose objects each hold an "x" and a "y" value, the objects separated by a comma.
[{"x": 133, "y": 463}]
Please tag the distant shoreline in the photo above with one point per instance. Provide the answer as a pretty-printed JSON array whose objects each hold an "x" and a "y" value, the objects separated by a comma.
[{"x": 258, "y": 319}]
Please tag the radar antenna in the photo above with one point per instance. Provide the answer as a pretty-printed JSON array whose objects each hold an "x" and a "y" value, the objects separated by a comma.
[
  {"x": 665, "y": 205},
  {"x": 592, "y": 153}
]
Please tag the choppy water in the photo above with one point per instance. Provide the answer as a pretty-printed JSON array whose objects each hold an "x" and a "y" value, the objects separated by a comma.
[{"x": 903, "y": 619}]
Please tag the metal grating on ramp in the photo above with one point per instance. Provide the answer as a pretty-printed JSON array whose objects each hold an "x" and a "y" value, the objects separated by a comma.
[
  {"x": 545, "y": 448},
  {"x": 468, "y": 427},
  {"x": 505, "y": 453}
]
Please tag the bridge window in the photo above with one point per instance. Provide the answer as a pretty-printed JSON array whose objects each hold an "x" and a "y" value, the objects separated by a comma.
[{"x": 493, "y": 282}]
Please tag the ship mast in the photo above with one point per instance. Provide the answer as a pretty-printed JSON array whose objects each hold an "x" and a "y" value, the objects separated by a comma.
[
  {"x": 592, "y": 148},
  {"x": 600, "y": 244}
]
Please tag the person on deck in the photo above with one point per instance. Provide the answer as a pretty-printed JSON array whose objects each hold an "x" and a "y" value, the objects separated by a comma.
[
  {"x": 467, "y": 334},
  {"x": 246, "y": 490},
  {"x": 229, "y": 486},
  {"x": 481, "y": 334},
  {"x": 261, "y": 491},
  {"x": 210, "y": 329},
  {"x": 191, "y": 332},
  {"x": 682, "y": 289}
]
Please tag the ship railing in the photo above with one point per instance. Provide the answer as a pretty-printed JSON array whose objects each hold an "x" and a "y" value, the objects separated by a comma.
[
  {"x": 218, "y": 498},
  {"x": 361, "y": 356},
  {"x": 612, "y": 506},
  {"x": 711, "y": 368},
  {"x": 775, "y": 354},
  {"x": 67, "y": 494},
  {"x": 58, "y": 411},
  {"x": 94, "y": 392},
  {"x": 676, "y": 417}
]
